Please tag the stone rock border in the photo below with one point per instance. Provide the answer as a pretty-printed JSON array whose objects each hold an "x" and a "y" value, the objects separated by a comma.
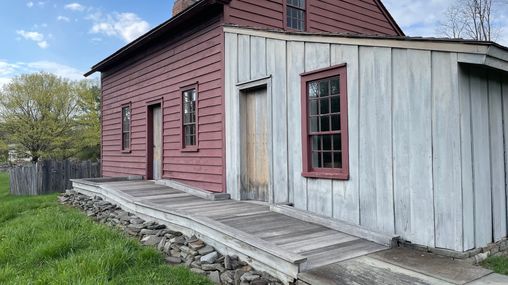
[
  {"x": 473, "y": 256},
  {"x": 177, "y": 248}
]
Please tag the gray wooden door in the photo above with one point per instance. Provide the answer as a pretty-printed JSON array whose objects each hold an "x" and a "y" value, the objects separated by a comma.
[
  {"x": 157, "y": 142},
  {"x": 255, "y": 160}
]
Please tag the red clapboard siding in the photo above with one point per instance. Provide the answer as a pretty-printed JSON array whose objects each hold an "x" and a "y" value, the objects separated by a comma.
[
  {"x": 355, "y": 16},
  {"x": 339, "y": 16},
  {"x": 161, "y": 73}
]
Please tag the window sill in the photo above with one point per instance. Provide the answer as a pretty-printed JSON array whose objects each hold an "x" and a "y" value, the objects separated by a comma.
[
  {"x": 126, "y": 151},
  {"x": 326, "y": 175},
  {"x": 190, "y": 149},
  {"x": 288, "y": 29}
]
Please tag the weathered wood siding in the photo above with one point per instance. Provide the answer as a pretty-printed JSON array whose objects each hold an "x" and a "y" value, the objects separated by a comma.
[
  {"x": 158, "y": 75},
  {"x": 417, "y": 170},
  {"x": 344, "y": 16},
  {"x": 484, "y": 96},
  {"x": 49, "y": 176}
]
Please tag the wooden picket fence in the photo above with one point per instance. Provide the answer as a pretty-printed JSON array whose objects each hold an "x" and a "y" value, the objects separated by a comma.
[{"x": 50, "y": 176}]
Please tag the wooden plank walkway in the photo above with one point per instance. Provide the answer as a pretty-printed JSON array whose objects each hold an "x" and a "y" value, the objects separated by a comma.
[{"x": 280, "y": 234}]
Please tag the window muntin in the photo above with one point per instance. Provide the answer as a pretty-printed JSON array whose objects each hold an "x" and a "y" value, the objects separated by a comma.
[
  {"x": 126, "y": 128},
  {"x": 295, "y": 14},
  {"x": 324, "y": 124},
  {"x": 189, "y": 104}
]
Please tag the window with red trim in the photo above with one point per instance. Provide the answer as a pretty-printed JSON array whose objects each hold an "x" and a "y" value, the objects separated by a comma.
[
  {"x": 324, "y": 123},
  {"x": 126, "y": 128},
  {"x": 295, "y": 14},
  {"x": 189, "y": 122}
]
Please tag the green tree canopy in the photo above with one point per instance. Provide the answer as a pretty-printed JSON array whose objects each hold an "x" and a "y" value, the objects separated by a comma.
[{"x": 50, "y": 117}]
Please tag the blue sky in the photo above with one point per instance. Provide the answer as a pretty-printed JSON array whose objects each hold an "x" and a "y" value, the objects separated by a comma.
[{"x": 68, "y": 37}]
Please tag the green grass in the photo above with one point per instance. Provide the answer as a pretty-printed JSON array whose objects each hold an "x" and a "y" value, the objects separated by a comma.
[
  {"x": 498, "y": 264},
  {"x": 42, "y": 242}
]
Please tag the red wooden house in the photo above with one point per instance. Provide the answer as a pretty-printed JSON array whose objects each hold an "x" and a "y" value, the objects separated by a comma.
[{"x": 320, "y": 104}]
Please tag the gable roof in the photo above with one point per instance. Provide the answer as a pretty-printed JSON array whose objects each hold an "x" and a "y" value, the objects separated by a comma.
[
  {"x": 184, "y": 17},
  {"x": 390, "y": 18}
]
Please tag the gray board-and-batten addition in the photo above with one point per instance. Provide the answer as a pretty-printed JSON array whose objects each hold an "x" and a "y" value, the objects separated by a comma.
[{"x": 427, "y": 137}]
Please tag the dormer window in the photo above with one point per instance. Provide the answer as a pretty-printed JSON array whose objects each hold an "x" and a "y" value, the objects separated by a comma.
[{"x": 295, "y": 15}]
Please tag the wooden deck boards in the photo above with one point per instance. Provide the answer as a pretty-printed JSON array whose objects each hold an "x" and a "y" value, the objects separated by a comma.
[{"x": 321, "y": 245}]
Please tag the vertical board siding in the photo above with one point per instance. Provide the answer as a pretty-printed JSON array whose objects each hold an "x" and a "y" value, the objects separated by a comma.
[
  {"x": 446, "y": 151},
  {"x": 505, "y": 132},
  {"x": 427, "y": 139},
  {"x": 346, "y": 200},
  {"x": 467, "y": 159},
  {"x": 233, "y": 166},
  {"x": 362, "y": 17},
  {"x": 485, "y": 214},
  {"x": 276, "y": 66},
  {"x": 319, "y": 196},
  {"x": 158, "y": 76},
  {"x": 412, "y": 154},
  {"x": 376, "y": 179},
  {"x": 481, "y": 159},
  {"x": 497, "y": 162},
  {"x": 244, "y": 58},
  {"x": 297, "y": 183},
  {"x": 257, "y": 57},
  {"x": 49, "y": 176},
  {"x": 319, "y": 191}
]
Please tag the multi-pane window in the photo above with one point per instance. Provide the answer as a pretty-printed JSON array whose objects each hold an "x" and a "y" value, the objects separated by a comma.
[
  {"x": 325, "y": 132},
  {"x": 324, "y": 123},
  {"x": 295, "y": 14},
  {"x": 189, "y": 99},
  {"x": 126, "y": 128}
]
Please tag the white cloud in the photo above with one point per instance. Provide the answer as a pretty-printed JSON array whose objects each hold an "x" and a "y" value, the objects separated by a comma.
[
  {"x": 127, "y": 26},
  {"x": 75, "y": 7},
  {"x": 34, "y": 36},
  {"x": 43, "y": 44},
  {"x": 31, "y": 4},
  {"x": 63, "y": 18},
  {"x": 55, "y": 68},
  {"x": 10, "y": 70}
]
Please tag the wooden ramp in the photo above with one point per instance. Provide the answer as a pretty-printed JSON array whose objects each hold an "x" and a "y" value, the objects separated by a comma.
[{"x": 279, "y": 244}]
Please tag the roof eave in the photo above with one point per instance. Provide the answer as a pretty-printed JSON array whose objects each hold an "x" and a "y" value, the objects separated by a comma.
[
  {"x": 181, "y": 17},
  {"x": 392, "y": 21}
]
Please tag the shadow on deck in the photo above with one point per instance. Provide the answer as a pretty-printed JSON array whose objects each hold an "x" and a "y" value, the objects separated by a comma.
[{"x": 279, "y": 244}]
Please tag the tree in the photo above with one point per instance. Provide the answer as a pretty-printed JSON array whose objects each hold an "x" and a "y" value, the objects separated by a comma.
[
  {"x": 47, "y": 116},
  {"x": 88, "y": 119},
  {"x": 453, "y": 26},
  {"x": 472, "y": 19}
]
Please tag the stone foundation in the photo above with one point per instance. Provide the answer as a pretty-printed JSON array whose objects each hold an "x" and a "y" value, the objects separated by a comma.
[
  {"x": 474, "y": 256},
  {"x": 177, "y": 248}
]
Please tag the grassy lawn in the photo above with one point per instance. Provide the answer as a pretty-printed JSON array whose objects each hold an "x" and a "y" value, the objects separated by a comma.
[
  {"x": 498, "y": 264},
  {"x": 42, "y": 242}
]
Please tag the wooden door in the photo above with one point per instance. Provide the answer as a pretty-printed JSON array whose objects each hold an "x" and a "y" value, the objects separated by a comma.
[
  {"x": 255, "y": 160},
  {"x": 157, "y": 142}
]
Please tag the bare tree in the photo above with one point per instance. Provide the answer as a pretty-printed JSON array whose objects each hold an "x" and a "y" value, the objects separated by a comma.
[
  {"x": 453, "y": 26},
  {"x": 472, "y": 19}
]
